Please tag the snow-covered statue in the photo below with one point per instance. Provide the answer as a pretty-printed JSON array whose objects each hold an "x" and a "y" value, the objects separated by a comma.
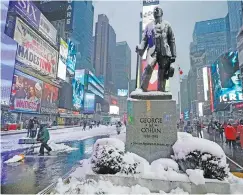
[{"x": 158, "y": 38}]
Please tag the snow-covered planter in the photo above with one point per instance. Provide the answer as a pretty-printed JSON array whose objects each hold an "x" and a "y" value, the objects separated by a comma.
[
  {"x": 196, "y": 153},
  {"x": 108, "y": 158}
]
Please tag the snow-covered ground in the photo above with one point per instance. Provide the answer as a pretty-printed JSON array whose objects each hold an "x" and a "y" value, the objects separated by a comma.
[
  {"x": 163, "y": 169},
  {"x": 10, "y": 142}
]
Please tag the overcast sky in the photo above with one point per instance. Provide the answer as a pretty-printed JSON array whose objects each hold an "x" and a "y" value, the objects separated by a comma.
[{"x": 124, "y": 16}]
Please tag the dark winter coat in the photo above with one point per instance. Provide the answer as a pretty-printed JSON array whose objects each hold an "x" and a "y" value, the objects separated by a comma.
[
  {"x": 44, "y": 135},
  {"x": 31, "y": 124}
]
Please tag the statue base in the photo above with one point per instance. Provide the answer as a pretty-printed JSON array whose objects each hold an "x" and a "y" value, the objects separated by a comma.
[
  {"x": 151, "y": 129},
  {"x": 151, "y": 95}
]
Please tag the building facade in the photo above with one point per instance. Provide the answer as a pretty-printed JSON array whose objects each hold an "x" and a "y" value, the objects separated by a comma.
[
  {"x": 213, "y": 36},
  {"x": 122, "y": 70},
  {"x": 235, "y": 21},
  {"x": 184, "y": 94},
  {"x": 104, "y": 47}
]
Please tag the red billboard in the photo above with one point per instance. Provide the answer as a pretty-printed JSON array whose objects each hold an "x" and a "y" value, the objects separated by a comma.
[
  {"x": 49, "y": 100},
  {"x": 153, "y": 83},
  {"x": 26, "y": 93}
]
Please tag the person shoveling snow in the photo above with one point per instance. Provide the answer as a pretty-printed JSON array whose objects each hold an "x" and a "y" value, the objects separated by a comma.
[{"x": 43, "y": 137}]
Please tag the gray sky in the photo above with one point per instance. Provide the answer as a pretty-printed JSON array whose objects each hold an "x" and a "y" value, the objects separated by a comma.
[{"x": 124, "y": 16}]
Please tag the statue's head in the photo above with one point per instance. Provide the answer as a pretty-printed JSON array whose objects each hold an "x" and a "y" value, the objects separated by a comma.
[{"x": 158, "y": 13}]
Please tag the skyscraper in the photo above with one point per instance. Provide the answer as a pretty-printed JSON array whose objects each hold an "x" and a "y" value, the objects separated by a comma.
[
  {"x": 212, "y": 36},
  {"x": 235, "y": 20},
  {"x": 122, "y": 71},
  {"x": 104, "y": 47}
]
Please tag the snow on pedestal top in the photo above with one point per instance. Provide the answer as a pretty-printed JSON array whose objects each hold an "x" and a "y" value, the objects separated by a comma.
[{"x": 139, "y": 92}]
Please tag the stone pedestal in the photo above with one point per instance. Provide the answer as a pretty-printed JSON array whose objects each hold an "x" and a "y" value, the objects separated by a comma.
[{"x": 151, "y": 129}]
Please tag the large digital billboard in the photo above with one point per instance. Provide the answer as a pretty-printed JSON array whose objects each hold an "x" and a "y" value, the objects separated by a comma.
[
  {"x": 226, "y": 81},
  {"x": 71, "y": 58},
  {"x": 122, "y": 92},
  {"x": 62, "y": 68},
  {"x": 8, "y": 51},
  {"x": 89, "y": 103},
  {"x": 33, "y": 52},
  {"x": 25, "y": 93},
  {"x": 205, "y": 83},
  {"x": 49, "y": 100},
  {"x": 153, "y": 83},
  {"x": 114, "y": 110},
  {"x": 78, "y": 94}
]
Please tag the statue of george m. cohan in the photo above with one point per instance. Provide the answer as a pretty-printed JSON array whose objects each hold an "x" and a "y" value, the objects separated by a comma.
[{"x": 158, "y": 38}]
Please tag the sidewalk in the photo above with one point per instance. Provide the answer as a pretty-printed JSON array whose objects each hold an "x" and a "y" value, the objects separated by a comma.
[{"x": 13, "y": 132}]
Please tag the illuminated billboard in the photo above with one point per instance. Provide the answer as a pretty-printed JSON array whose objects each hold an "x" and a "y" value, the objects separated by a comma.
[
  {"x": 114, "y": 110},
  {"x": 62, "y": 68},
  {"x": 78, "y": 94},
  {"x": 205, "y": 83},
  {"x": 71, "y": 57},
  {"x": 226, "y": 81},
  {"x": 25, "y": 93},
  {"x": 122, "y": 92},
  {"x": 89, "y": 103}
]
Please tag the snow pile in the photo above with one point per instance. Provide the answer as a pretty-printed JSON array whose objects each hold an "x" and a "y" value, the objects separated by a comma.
[
  {"x": 183, "y": 136},
  {"x": 74, "y": 186},
  {"x": 57, "y": 148},
  {"x": 178, "y": 191},
  {"x": 196, "y": 153},
  {"x": 186, "y": 144},
  {"x": 196, "y": 176},
  {"x": 89, "y": 186},
  {"x": 110, "y": 141},
  {"x": 14, "y": 159},
  {"x": 165, "y": 164},
  {"x": 139, "y": 92},
  {"x": 236, "y": 184}
]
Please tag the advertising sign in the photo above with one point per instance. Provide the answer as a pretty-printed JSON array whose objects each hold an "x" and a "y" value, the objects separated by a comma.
[
  {"x": 33, "y": 52},
  {"x": 186, "y": 115},
  {"x": 114, "y": 110},
  {"x": 78, "y": 94},
  {"x": 69, "y": 16},
  {"x": 71, "y": 58},
  {"x": 226, "y": 81},
  {"x": 153, "y": 83},
  {"x": 8, "y": 51},
  {"x": 25, "y": 93},
  {"x": 205, "y": 83},
  {"x": 89, "y": 103},
  {"x": 62, "y": 68},
  {"x": 240, "y": 46},
  {"x": 49, "y": 100},
  {"x": 26, "y": 10},
  {"x": 122, "y": 92},
  {"x": 198, "y": 58},
  {"x": 47, "y": 29},
  {"x": 79, "y": 75}
]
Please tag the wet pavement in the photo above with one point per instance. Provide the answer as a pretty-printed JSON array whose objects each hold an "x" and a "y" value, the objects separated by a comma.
[
  {"x": 236, "y": 155},
  {"x": 36, "y": 173}
]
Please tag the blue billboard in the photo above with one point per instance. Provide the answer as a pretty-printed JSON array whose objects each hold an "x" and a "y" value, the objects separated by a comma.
[
  {"x": 226, "y": 81},
  {"x": 78, "y": 94},
  {"x": 71, "y": 58},
  {"x": 8, "y": 51},
  {"x": 89, "y": 103}
]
